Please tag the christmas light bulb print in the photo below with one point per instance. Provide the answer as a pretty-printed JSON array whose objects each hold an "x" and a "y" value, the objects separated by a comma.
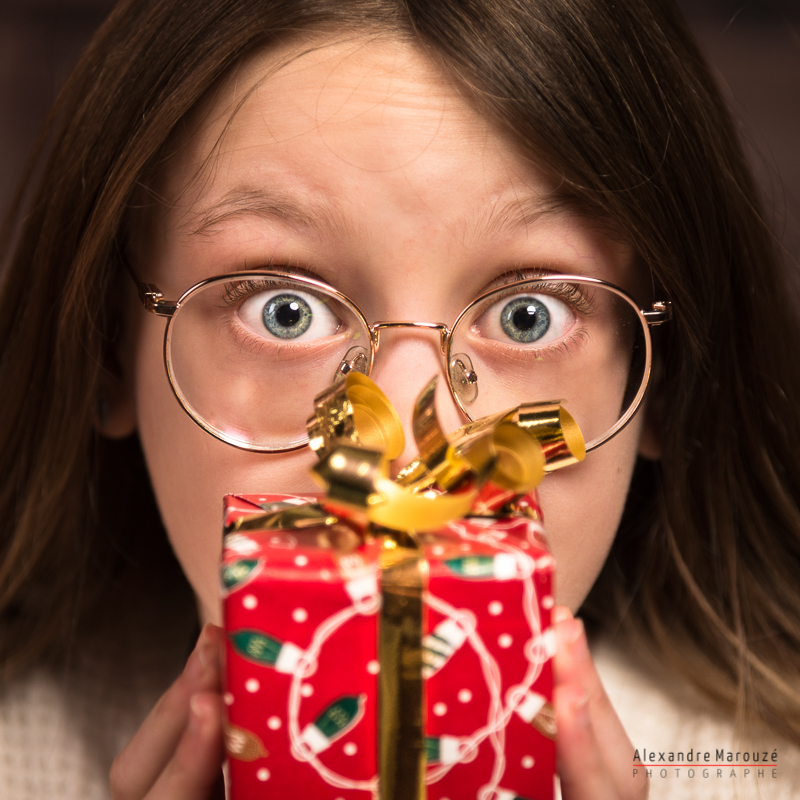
[
  {"x": 360, "y": 579},
  {"x": 443, "y": 749},
  {"x": 535, "y": 710},
  {"x": 266, "y": 650},
  {"x": 501, "y": 567},
  {"x": 336, "y": 720},
  {"x": 440, "y": 644},
  {"x": 243, "y": 744},
  {"x": 236, "y": 573},
  {"x": 504, "y": 794}
]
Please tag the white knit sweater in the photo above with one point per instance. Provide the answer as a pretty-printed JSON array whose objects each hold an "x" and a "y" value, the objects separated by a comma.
[
  {"x": 668, "y": 718},
  {"x": 60, "y": 732}
]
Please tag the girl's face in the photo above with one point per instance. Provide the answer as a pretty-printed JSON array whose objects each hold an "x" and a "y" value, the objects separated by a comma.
[{"x": 359, "y": 163}]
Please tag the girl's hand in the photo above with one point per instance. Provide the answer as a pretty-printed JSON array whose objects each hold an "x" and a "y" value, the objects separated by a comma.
[
  {"x": 595, "y": 755},
  {"x": 177, "y": 752}
]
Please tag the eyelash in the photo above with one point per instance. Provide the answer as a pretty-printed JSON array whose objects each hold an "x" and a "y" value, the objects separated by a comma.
[
  {"x": 235, "y": 293},
  {"x": 241, "y": 290},
  {"x": 569, "y": 293}
]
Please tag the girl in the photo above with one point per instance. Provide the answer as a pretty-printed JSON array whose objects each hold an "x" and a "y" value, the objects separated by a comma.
[{"x": 410, "y": 156}]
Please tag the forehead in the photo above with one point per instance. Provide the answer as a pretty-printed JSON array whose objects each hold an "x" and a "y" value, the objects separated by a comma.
[{"x": 347, "y": 109}]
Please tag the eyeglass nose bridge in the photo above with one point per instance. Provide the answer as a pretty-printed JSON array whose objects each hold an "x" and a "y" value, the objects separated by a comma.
[{"x": 376, "y": 328}]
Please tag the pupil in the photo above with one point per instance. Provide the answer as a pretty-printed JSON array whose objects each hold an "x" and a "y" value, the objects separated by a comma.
[
  {"x": 288, "y": 315},
  {"x": 524, "y": 318}
]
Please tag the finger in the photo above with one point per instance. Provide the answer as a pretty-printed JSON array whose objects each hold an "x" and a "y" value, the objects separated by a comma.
[
  {"x": 138, "y": 766},
  {"x": 575, "y": 667},
  {"x": 194, "y": 771},
  {"x": 581, "y": 765}
]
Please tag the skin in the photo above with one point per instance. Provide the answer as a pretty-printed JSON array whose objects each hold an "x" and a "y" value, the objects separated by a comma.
[{"x": 418, "y": 191}]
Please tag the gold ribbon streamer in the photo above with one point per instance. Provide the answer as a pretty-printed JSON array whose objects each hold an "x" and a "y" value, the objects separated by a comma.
[
  {"x": 291, "y": 517},
  {"x": 401, "y": 691}
]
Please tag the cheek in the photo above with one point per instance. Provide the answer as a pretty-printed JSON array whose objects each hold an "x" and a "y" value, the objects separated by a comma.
[
  {"x": 190, "y": 471},
  {"x": 582, "y": 508}
]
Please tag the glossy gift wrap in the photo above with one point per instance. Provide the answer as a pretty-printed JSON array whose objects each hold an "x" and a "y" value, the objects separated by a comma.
[{"x": 303, "y": 612}]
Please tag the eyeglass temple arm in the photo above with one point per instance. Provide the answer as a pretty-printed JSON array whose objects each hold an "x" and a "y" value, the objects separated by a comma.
[
  {"x": 660, "y": 312},
  {"x": 151, "y": 296}
]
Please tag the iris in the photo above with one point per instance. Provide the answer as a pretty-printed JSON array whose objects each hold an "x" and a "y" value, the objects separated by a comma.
[
  {"x": 287, "y": 316},
  {"x": 525, "y": 320}
]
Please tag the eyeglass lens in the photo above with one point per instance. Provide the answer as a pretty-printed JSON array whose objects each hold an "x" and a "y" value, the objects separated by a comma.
[
  {"x": 246, "y": 357},
  {"x": 578, "y": 343}
]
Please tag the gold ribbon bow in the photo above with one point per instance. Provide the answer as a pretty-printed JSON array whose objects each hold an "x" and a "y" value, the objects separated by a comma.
[{"x": 356, "y": 432}]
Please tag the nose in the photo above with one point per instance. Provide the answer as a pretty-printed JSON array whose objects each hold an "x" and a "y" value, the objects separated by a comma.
[{"x": 405, "y": 361}]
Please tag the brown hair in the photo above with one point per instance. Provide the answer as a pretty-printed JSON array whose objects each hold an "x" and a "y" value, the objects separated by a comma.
[{"x": 612, "y": 97}]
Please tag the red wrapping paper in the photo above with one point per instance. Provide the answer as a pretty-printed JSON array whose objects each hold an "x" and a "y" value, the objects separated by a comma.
[{"x": 307, "y": 724}]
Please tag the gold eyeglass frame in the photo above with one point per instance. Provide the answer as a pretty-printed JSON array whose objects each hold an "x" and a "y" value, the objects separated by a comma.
[{"x": 154, "y": 302}]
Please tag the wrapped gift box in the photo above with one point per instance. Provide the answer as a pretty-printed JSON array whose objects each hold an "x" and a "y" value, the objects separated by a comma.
[{"x": 302, "y": 610}]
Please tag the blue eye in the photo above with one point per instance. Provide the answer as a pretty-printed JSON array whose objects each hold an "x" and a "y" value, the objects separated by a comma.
[
  {"x": 531, "y": 321},
  {"x": 287, "y": 316},
  {"x": 525, "y": 320}
]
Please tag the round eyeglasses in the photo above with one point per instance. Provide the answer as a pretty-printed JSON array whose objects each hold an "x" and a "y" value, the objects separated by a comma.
[{"x": 246, "y": 353}]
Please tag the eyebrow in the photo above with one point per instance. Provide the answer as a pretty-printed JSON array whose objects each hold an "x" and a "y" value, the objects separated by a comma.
[
  {"x": 508, "y": 216},
  {"x": 272, "y": 205},
  {"x": 268, "y": 205}
]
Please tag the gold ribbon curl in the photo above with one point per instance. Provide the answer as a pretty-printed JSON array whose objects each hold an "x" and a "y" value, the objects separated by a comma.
[{"x": 355, "y": 410}]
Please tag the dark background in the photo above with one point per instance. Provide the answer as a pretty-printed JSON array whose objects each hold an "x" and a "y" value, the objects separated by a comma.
[{"x": 754, "y": 47}]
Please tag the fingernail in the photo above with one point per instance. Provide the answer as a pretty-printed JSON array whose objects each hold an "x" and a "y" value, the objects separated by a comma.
[
  {"x": 198, "y": 716},
  {"x": 194, "y": 667},
  {"x": 207, "y": 650},
  {"x": 202, "y": 647},
  {"x": 208, "y": 656},
  {"x": 561, "y": 613},
  {"x": 576, "y": 638},
  {"x": 580, "y": 709}
]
